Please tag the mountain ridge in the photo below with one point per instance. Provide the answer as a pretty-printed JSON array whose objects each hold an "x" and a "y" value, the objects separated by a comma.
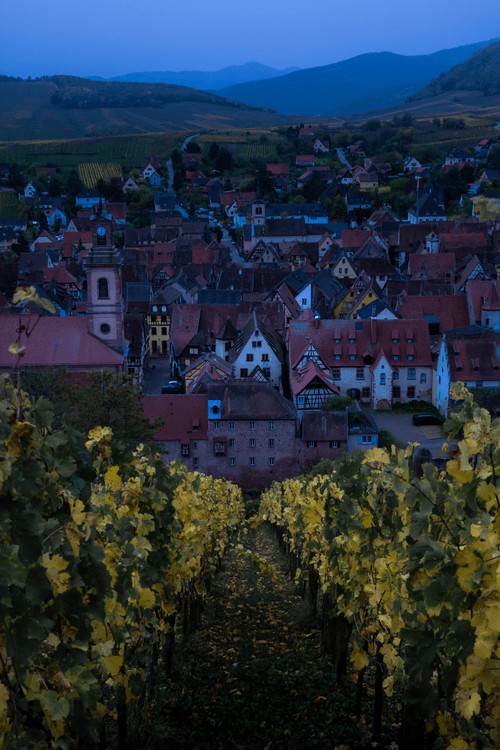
[
  {"x": 205, "y": 80},
  {"x": 330, "y": 88}
]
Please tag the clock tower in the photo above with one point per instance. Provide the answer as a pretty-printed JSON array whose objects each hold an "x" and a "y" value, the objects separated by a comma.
[{"x": 105, "y": 307}]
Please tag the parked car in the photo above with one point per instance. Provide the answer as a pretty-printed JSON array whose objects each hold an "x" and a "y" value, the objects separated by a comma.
[
  {"x": 419, "y": 419},
  {"x": 173, "y": 386}
]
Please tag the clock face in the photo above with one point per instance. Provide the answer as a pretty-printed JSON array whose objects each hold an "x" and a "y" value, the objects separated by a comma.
[{"x": 101, "y": 231}]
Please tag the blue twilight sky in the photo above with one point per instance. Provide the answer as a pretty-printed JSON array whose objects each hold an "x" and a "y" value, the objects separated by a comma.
[{"x": 108, "y": 38}]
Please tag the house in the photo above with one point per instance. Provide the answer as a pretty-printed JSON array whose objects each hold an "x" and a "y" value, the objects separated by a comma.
[
  {"x": 279, "y": 170},
  {"x": 426, "y": 209},
  {"x": 357, "y": 200},
  {"x": 483, "y": 146},
  {"x": 130, "y": 184},
  {"x": 321, "y": 147},
  {"x": 154, "y": 179},
  {"x": 7, "y": 238},
  {"x": 362, "y": 429},
  {"x": 312, "y": 387},
  {"x": 379, "y": 362},
  {"x": 56, "y": 216},
  {"x": 364, "y": 291},
  {"x": 470, "y": 355},
  {"x": 410, "y": 163},
  {"x": 30, "y": 191},
  {"x": 88, "y": 198},
  {"x": 305, "y": 160},
  {"x": 148, "y": 171},
  {"x": 456, "y": 156},
  {"x": 324, "y": 433},
  {"x": 258, "y": 345}
]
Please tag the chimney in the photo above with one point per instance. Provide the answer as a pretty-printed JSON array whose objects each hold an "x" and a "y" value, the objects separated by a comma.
[{"x": 316, "y": 323}]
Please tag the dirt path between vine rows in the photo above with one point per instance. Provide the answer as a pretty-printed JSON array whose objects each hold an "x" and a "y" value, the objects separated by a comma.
[{"x": 254, "y": 678}]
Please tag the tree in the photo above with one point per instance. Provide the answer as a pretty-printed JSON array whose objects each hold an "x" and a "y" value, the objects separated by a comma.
[
  {"x": 114, "y": 401},
  {"x": 54, "y": 186},
  {"x": 207, "y": 235},
  {"x": 372, "y": 125},
  {"x": 213, "y": 151},
  {"x": 176, "y": 157},
  {"x": 178, "y": 180},
  {"x": 219, "y": 234},
  {"x": 192, "y": 148},
  {"x": 224, "y": 161},
  {"x": 22, "y": 245},
  {"x": 73, "y": 184}
]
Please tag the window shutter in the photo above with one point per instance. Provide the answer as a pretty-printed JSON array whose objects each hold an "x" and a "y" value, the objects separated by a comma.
[{"x": 359, "y": 440}]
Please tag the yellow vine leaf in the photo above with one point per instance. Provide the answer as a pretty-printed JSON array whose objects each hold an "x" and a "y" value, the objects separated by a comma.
[
  {"x": 147, "y": 598},
  {"x": 360, "y": 659},
  {"x": 113, "y": 664},
  {"x": 458, "y": 744},
  {"x": 55, "y": 565},
  {"x": 112, "y": 478},
  {"x": 469, "y": 706},
  {"x": 376, "y": 455}
]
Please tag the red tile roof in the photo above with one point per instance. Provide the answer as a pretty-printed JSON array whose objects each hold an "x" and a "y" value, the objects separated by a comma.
[
  {"x": 473, "y": 359},
  {"x": 369, "y": 337},
  {"x": 182, "y": 413},
  {"x": 303, "y": 376},
  {"x": 477, "y": 292},
  {"x": 432, "y": 266},
  {"x": 354, "y": 237},
  {"x": 58, "y": 342},
  {"x": 453, "y": 313}
]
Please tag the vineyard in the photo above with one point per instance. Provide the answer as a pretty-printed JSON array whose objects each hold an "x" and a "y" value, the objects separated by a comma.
[
  {"x": 91, "y": 172},
  {"x": 257, "y": 150},
  {"x": 405, "y": 560},
  {"x": 129, "y": 150}
]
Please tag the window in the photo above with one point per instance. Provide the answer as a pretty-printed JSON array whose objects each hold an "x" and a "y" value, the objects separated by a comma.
[
  {"x": 252, "y": 425},
  {"x": 231, "y": 425},
  {"x": 164, "y": 331},
  {"x": 337, "y": 356},
  {"x": 252, "y": 442},
  {"x": 271, "y": 425},
  {"x": 231, "y": 462},
  {"x": 366, "y": 438},
  {"x": 311, "y": 443},
  {"x": 409, "y": 341},
  {"x": 382, "y": 378},
  {"x": 185, "y": 449},
  {"x": 195, "y": 462},
  {"x": 334, "y": 443},
  {"x": 395, "y": 374},
  {"x": 336, "y": 373},
  {"x": 103, "y": 291},
  {"x": 252, "y": 462},
  {"x": 395, "y": 341},
  {"x": 216, "y": 425},
  {"x": 105, "y": 328},
  {"x": 336, "y": 341},
  {"x": 271, "y": 462},
  {"x": 396, "y": 391},
  {"x": 265, "y": 357},
  {"x": 348, "y": 305},
  {"x": 231, "y": 443},
  {"x": 220, "y": 447},
  {"x": 479, "y": 383},
  {"x": 423, "y": 378},
  {"x": 258, "y": 210},
  {"x": 271, "y": 442},
  {"x": 304, "y": 301},
  {"x": 266, "y": 372},
  {"x": 365, "y": 393},
  {"x": 352, "y": 357},
  {"x": 410, "y": 357},
  {"x": 153, "y": 331},
  {"x": 256, "y": 344},
  {"x": 360, "y": 373},
  {"x": 395, "y": 357},
  {"x": 155, "y": 309},
  {"x": 249, "y": 357},
  {"x": 411, "y": 373},
  {"x": 411, "y": 391},
  {"x": 193, "y": 350},
  {"x": 243, "y": 372},
  {"x": 351, "y": 341}
]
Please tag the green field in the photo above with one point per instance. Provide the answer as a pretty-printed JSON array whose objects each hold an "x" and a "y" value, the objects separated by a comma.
[
  {"x": 128, "y": 150},
  {"x": 8, "y": 203}
]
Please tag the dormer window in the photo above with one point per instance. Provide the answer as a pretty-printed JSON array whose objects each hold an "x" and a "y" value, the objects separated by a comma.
[
  {"x": 337, "y": 341},
  {"x": 351, "y": 341},
  {"x": 409, "y": 341},
  {"x": 215, "y": 410}
]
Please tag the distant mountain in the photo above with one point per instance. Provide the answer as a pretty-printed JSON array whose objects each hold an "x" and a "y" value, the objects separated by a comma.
[
  {"x": 338, "y": 87},
  {"x": 481, "y": 72},
  {"x": 57, "y": 107},
  {"x": 207, "y": 81}
]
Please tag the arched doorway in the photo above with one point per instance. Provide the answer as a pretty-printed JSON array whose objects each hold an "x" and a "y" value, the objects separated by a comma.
[{"x": 383, "y": 404}]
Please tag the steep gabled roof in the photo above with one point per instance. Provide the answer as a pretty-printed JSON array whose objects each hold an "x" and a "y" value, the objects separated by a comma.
[
  {"x": 184, "y": 325},
  {"x": 304, "y": 376}
]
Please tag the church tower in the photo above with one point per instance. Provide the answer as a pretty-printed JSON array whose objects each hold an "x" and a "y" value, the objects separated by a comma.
[{"x": 105, "y": 307}]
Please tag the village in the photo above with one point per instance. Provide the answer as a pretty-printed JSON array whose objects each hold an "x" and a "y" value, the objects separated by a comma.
[{"x": 272, "y": 318}]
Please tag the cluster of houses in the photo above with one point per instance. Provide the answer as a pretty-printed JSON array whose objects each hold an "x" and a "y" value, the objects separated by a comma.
[{"x": 264, "y": 335}]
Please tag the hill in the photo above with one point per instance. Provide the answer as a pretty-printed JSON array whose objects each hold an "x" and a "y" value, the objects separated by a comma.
[
  {"x": 208, "y": 80},
  {"x": 480, "y": 73},
  {"x": 340, "y": 88},
  {"x": 58, "y": 107}
]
